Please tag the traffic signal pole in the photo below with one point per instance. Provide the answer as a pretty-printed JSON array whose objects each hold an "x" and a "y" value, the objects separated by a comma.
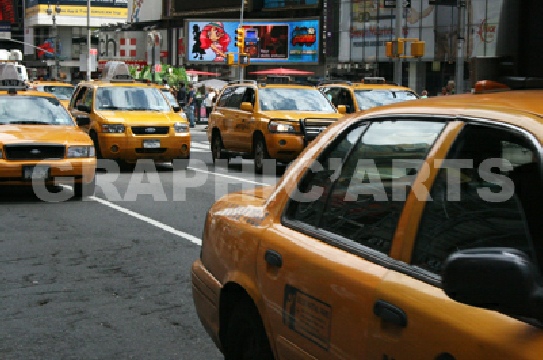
[
  {"x": 398, "y": 60},
  {"x": 241, "y": 68}
]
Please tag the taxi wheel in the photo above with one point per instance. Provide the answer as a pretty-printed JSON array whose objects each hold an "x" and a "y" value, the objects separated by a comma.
[
  {"x": 260, "y": 154},
  {"x": 84, "y": 189},
  {"x": 216, "y": 149},
  {"x": 246, "y": 337}
]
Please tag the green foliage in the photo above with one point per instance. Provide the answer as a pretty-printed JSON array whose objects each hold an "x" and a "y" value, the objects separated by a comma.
[{"x": 172, "y": 74}]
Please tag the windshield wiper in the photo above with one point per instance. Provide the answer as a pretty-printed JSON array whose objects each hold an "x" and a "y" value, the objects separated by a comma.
[{"x": 109, "y": 107}]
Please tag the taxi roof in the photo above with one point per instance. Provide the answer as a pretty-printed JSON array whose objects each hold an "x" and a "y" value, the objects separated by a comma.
[
  {"x": 522, "y": 108},
  {"x": 50, "y": 83}
]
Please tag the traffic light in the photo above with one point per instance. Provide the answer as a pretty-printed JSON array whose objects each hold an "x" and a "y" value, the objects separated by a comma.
[
  {"x": 417, "y": 49},
  {"x": 388, "y": 49},
  {"x": 240, "y": 39},
  {"x": 229, "y": 58}
]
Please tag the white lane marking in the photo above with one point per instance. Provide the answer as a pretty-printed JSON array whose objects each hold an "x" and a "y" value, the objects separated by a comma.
[
  {"x": 199, "y": 150},
  {"x": 150, "y": 221},
  {"x": 160, "y": 225},
  {"x": 200, "y": 146},
  {"x": 227, "y": 176}
]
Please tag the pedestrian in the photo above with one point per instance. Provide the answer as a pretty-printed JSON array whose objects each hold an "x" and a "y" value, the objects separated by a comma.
[
  {"x": 424, "y": 94},
  {"x": 182, "y": 95},
  {"x": 209, "y": 101},
  {"x": 190, "y": 105}
]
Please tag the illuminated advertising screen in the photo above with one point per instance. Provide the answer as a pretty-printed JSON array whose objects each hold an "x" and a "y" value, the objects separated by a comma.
[{"x": 270, "y": 42}]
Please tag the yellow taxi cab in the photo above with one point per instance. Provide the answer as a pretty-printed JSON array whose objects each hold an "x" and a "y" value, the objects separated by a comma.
[
  {"x": 263, "y": 121},
  {"x": 408, "y": 231},
  {"x": 40, "y": 143},
  {"x": 371, "y": 92},
  {"x": 130, "y": 120},
  {"x": 62, "y": 90}
]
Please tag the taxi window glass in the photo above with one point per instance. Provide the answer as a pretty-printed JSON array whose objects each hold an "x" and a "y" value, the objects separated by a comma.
[
  {"x": 171, "y": 99},
  {"x": 364, "y": 190},
  {"x": 469, "y": 209},
  {"x": 294, "y": 99},
  {"x": 61, "y": 92},
  {"x": 33, "y": 110},
  {"x": 225, "y": 96},
  {"x": 367, "y": 99},
  {"x": 235, "y": 97},
  {"x": 130, "y": 98}
]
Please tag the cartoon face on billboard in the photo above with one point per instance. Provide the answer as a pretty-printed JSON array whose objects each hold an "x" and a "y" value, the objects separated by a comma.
[{"x": 265, "y": 41}]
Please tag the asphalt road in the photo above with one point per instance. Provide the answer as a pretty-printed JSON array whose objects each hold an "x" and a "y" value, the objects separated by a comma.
[{"x": 109, "y": 277}]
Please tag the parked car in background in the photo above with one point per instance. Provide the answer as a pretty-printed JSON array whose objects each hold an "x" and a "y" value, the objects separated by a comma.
[{"x": 407, "y": 231}]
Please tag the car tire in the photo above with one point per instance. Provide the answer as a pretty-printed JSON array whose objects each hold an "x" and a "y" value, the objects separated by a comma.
[
  {"x": 83, "y": 189},
  {"x": 217, "y": 149},
  {"x": 246, "y": 337},
  {"x": 260, "y": 154}
]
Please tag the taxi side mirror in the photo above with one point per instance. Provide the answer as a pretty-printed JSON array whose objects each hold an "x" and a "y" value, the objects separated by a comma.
[
  {"x": 500, "y": 279},
  {"x": 82, "y": 120},
  {"x": 246, "y": 106},
  {"x": 85, "y": 108},
  {"x": 342, "y": 109},
  {"x": 176, "y": 108}
]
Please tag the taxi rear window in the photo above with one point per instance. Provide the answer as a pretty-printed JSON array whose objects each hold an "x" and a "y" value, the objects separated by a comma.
[
  {"x": 33, "y": 110},
  {"x": 61, "y": 92}
]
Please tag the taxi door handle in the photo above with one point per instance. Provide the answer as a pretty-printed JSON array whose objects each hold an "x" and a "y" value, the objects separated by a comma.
[
  {"x": 390, "y": 313},
  {"x": 273, "y": 258}
]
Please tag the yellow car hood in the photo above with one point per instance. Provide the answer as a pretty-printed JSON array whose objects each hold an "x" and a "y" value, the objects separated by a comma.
[
  {"x": 140, "y": 117},
  {"x": 16, "y": 134}
]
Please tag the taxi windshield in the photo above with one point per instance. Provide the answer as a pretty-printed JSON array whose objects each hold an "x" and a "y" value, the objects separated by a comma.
[
  {"x": 295, "y": 99},
  {"x": 169, "y": 96},
  {"x": 367, "y": 99},
  {"x": 130, "y": 98},
  {"x": 33, "y": 110},
  {"x": 61, "y": 92}
]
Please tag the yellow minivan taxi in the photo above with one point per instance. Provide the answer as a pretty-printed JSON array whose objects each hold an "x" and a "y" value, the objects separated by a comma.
[
  {"x": 130, "y": 120},
  {"x": 407, "y": 231},
  {"x": 264, "y": 121},
  {"x": 41, "y": 145}
]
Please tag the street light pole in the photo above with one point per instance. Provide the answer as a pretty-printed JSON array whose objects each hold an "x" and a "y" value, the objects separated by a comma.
[
  {"x": 88, "y": 42},
  {"x": 56, "y": 72}
]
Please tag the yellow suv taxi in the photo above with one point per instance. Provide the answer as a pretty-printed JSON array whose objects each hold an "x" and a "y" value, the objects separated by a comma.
[
  {"x": 371, "y": 92},
  {"x": 130, "y": 120},
  {"x": 40, "y": 143},
  {"x": 62, "y": 90},
  {"x": 264, "y": 121},
  {"x": 408, "y": 231}
]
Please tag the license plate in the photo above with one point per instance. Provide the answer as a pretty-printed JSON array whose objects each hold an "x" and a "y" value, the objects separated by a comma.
[
  {"x": 36, "y": 172},
  {"x": 151, "y": 144}
]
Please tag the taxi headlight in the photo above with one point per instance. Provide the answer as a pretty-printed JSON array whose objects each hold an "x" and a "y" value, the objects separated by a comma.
[
  {"x": 181, "y": 127},
  {"x": 281, "y": 127},
  {"x": 113, "y": 128},
  {"x": 80, "y": 151}
]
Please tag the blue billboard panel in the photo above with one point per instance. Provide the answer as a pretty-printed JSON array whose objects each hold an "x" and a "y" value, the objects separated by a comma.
[{"x": 270, "y": 42}]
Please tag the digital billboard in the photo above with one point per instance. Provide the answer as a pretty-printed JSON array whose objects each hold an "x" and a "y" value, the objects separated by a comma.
[{"x": 269, "y": 41}]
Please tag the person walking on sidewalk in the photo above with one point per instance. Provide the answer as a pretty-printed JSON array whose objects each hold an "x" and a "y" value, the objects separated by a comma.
[
  {"x": 190, "y": 105},
  {"x": 182, "y": 95},
  {"x": 209, "y": 101}
]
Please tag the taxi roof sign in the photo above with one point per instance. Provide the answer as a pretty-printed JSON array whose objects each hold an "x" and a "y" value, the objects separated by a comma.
[
  {"x": 9, "y": 78},
  {"x": 116, "y": 70}
]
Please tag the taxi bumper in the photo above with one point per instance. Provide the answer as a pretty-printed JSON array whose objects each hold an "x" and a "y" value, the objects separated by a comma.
[
  {"x": 284, "y": 146},
  {"x": 205, "y": 294},
  {"x": 80, "y": 170},
  {"x": 131, "y": 148}
]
